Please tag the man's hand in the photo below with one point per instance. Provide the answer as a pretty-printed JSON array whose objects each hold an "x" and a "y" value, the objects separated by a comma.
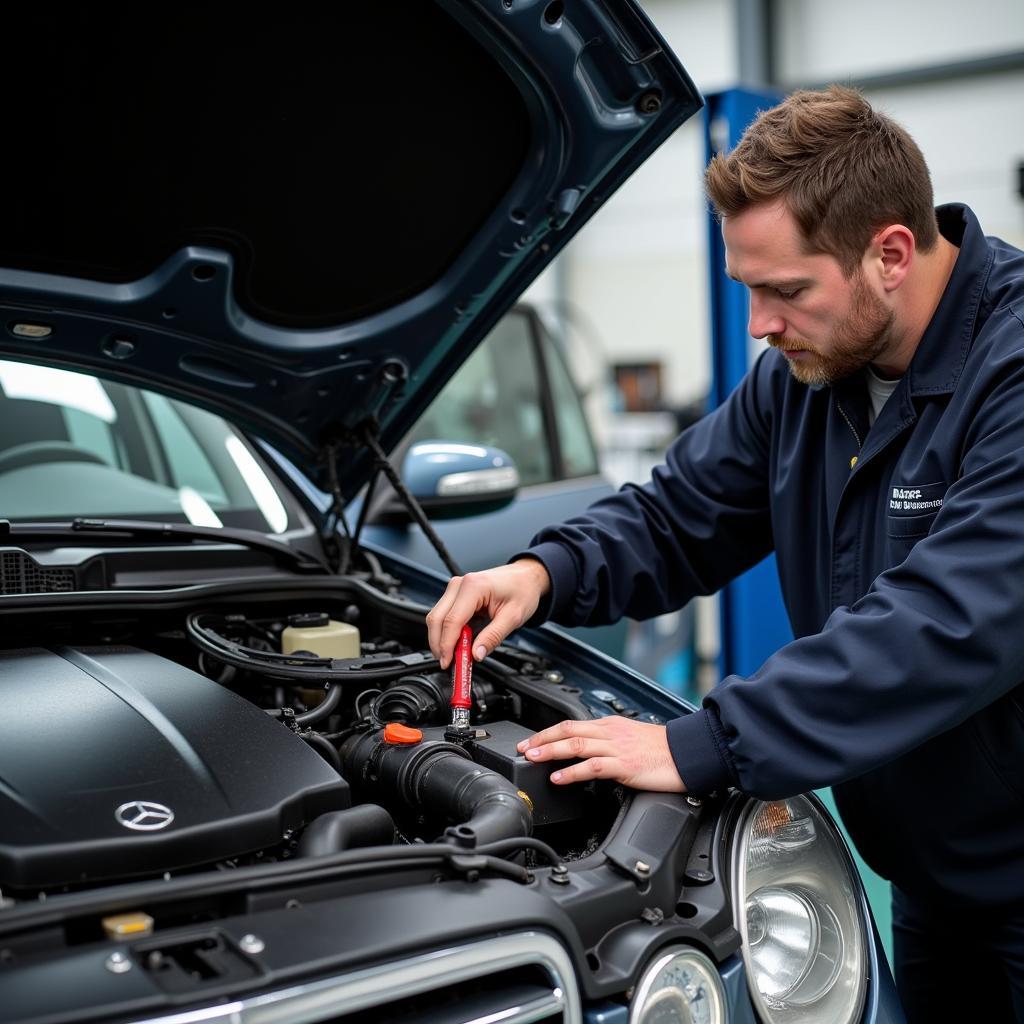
[
  {"x": 510, "y": 594},
  {"x": 633, "y": 753}
]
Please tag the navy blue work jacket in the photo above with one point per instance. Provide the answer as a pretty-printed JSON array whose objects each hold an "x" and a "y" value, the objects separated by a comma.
[{"x": 901, "y": 556}]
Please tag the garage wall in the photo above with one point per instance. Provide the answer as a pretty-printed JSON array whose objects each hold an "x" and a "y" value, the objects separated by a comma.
[
  {"x": 819, "y": 39},
  {"x": 638, "y": 272}
]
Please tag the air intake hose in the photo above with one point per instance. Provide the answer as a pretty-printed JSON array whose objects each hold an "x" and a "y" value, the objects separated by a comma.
[
  {"x": 441, "y": 779},
  {"x": 413, "y": 700},
  {"x": 365, "y": 825}
]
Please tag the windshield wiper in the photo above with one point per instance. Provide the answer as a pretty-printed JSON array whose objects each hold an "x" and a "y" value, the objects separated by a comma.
[{"x": 140, "y": 529}]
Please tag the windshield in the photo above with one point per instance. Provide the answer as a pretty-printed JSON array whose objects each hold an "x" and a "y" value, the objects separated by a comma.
[{"x": 72, "y": 445}]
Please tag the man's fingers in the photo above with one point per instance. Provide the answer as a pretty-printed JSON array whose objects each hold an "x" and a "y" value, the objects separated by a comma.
[
  {"x": 575, "y": 746},
  {"x": 509, "y": 593},
  {"x": 634, "y": 753},
  {"x": 565, "y": 730},
  {"x": 504, "y": 622},
  {"x": 437, "y": 614},
  {"x": 592, "y": 768},
  {"x": 488, "y": 638},
  {"x": 467, "y": 600}
]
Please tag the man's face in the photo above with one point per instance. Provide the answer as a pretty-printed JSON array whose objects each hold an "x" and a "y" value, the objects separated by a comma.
[{"x": 828, "y": 326}]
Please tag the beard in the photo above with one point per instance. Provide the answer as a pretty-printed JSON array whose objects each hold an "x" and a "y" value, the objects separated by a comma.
[{"x": 858, "y": 339}]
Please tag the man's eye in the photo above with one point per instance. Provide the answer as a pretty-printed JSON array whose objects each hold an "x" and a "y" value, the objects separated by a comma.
[{"x": 790, "y": 294}]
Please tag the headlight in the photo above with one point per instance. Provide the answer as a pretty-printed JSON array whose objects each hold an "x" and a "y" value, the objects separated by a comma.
[
  {"x": 797, "y": 908},
  {"x": 680, "y": 986}
]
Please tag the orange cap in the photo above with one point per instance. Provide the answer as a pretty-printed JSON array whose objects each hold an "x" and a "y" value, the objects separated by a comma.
[{"x": 395, "y": 732}]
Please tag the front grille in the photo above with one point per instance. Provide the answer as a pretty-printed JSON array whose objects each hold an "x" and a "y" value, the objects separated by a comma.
[
  {"x": 522, "y": 994},
  {"x": 515, "y": 979},
  {"x": 20, "y": 573}
]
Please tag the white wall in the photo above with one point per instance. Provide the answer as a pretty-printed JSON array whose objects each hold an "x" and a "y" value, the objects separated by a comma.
[{"x": 818, "y": 40}]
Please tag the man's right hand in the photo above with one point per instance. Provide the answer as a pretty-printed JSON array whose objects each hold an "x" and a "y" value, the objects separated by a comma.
[{"x": 510, "y": 594}]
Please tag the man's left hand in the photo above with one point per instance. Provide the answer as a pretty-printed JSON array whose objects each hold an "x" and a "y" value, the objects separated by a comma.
[{"x": 633, "y": 753}]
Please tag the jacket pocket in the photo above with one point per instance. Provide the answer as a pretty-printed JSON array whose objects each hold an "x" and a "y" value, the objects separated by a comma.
[
  {"x": 903, "y": 533},
  {"x": 911, "y": 526}
]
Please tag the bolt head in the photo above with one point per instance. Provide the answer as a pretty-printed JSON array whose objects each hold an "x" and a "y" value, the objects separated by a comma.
[
  {"x": 649, "y": 103},
  {"x": 642, "y": 867},
  {"x": 252, "y": 944},
  {"x": 119, "y": 348},
  {"x": 118, "y": 963},
  {"x": 693, "y": 801},
  {"x": 698, "y": 876}
]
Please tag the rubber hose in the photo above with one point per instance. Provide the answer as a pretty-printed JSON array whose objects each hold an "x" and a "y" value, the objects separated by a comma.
[
  {"x": 327, "y": 750},
  {"x": 365, "y": 825},
  {"x": 439, "y": 777}
]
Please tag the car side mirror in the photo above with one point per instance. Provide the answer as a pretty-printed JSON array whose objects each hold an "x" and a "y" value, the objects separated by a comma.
[{"x": 451, "y": 480}]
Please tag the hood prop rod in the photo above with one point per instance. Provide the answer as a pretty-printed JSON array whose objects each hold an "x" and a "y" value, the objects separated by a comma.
[
  {"x": 369, "y": 432},
  {"x": 368, "y": 435}
]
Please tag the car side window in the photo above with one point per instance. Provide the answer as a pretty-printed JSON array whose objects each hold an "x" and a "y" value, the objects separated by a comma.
[{"x": 495, "y": 399}]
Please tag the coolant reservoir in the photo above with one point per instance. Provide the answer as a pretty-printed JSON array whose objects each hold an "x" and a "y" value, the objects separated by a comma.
[{"x": 321, "y": 635}]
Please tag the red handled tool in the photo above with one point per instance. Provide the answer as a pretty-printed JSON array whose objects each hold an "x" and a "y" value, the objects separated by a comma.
[{"x": 462, "y": 686}]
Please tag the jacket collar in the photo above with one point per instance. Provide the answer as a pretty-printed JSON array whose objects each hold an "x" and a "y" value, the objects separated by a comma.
[{"x": 942, "y": 351}]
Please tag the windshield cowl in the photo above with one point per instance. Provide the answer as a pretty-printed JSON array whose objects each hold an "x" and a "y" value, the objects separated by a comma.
[{"x": 86, "y": 530}]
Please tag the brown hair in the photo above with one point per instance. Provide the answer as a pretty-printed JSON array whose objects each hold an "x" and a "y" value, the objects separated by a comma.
[{"x": 843, "y": 170}]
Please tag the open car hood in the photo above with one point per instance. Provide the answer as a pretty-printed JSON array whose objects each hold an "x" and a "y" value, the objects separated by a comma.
[{"x": 305, "y": 218}]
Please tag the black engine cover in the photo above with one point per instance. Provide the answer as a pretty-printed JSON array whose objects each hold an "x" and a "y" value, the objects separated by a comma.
[{"x": 90, "y": 737}]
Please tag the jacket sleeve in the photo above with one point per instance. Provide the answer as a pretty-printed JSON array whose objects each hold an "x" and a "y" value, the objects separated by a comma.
[
  {"x": 701, "y": 520},
  {"x": 934, "y": 640}
]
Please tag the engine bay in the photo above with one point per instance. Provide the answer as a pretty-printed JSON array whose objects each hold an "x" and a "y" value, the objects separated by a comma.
[
  {"x": 238, "y": 730},
  {"x": 193, "y": 784}
]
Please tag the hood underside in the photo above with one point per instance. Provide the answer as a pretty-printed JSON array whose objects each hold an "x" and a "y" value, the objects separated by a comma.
[{"x": 305, "y": 218}]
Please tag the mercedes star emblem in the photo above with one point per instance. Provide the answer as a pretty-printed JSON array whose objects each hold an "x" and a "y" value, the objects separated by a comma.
[{"x": 144, "y": 816}]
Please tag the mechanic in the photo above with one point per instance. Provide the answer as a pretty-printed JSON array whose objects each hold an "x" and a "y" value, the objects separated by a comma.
[{"x": 877, "y": 447}]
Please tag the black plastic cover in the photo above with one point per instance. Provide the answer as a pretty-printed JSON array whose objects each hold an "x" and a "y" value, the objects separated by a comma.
[
  {"x": 497, "y": 751},
  {"x": 91, "y": 737}
]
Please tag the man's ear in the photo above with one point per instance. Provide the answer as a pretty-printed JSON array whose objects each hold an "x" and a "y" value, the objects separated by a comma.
[{"x": 891, "y": 254}]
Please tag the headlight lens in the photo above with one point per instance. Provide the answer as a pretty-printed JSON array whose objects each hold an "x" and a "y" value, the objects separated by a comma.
[
  {"x": 680, "y": 986},
  {"x": 804, "y": 937}
]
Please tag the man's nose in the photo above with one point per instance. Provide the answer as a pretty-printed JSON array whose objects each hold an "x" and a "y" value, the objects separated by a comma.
[{"x": 764, "y": 317}]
